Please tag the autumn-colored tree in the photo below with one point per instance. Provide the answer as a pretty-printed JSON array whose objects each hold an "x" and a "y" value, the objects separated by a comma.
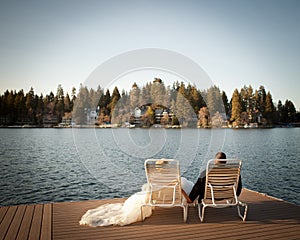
[
  {"x": 204, "y": 117},
  {"x": 148, "y": 118}
]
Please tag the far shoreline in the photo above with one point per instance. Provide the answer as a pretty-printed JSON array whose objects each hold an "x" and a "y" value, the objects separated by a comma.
[{"x": 108, "y": 126}]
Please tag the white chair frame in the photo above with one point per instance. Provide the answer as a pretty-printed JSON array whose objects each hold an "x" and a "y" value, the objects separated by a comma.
[
  {"x": 163, "y": 178},
  {"x": 221, "y": 185}
]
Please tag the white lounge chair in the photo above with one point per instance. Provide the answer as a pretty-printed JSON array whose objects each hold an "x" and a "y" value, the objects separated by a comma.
[
  {"x": 163, "y": 177},
  {"x": 222, "y": 177}
]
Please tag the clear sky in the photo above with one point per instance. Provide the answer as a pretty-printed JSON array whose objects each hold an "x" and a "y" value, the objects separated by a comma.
[{"x": 237, "y": 42}]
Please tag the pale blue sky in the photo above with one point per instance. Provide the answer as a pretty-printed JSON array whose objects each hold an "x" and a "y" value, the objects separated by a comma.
[{"x": 46, "y": 43}]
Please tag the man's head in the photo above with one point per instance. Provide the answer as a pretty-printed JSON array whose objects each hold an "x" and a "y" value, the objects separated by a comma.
[{"x": 220, "y": 155}]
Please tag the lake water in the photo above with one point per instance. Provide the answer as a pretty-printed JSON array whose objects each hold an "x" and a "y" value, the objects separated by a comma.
[{"x": 53, "y": 165}]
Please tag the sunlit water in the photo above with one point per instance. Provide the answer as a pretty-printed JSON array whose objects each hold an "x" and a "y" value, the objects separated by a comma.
[{"x": 52, "y": 165}]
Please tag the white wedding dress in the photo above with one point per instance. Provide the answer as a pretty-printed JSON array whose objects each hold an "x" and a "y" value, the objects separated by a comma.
[{"x": 124, "y": 213}]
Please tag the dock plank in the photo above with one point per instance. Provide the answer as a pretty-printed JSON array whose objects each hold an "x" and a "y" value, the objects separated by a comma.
[
  {"x": 6, "y": 222},
  {"x": 35, "y": 228},
  {"x": 3, "y": 211},
  {"x": 46, "y": 231},
  {"x": 26, "y": 223},
  {"x": 16, "y": 223}
]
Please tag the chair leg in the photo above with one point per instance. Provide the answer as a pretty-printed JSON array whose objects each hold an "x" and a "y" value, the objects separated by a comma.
[
  {"x": 201, "y": 212},
  {"x": 245, "y": 211},
  {"x": 185, "y": 212},
  {"x": 243, "y": 217}
]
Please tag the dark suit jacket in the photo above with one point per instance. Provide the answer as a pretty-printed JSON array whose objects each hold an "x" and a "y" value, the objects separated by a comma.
[{"x": 199, "y": 187}]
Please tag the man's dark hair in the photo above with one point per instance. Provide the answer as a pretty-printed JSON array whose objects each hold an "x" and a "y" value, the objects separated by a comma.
[{"x": 221, "y": 155}]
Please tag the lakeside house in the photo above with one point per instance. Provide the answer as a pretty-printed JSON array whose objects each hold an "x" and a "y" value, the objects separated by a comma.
[
  {"x": 91, "y": 117},
  {"x": 50, "y": 120}
]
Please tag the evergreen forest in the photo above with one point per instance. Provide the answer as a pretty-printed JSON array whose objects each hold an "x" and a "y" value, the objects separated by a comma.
[{"x": 153, "y": 103}]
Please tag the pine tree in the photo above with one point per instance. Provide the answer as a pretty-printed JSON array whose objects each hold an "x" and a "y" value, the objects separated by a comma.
[
  {"x": 134, "y": 97},
  {"x": 115, "y": 97},
  {"x": 244, "y": 99},
  {"x": 30, "y": 105},
  {"x": 11, "y": 107},
  {"x": 107, "y": 100},
  {"x": 280, "y": 112},
  {"x": 67, "y": 103},
  {"x": 250, "y": 107},
  {"x": 214, "y": 101},
  {"x": 81, "y": 105},
  {"x": 262, "y": 99},
  {"x": 73, "y": 97},
  {"x": 290, "y": 111},
  {"x": 226, "y": 104},
  {"x": 269, "y": 110},
  {"x": 59, "y": 105},
  {"x": 20, "y": 107},
  {"x": 196, "y": 100},
  {"x": 236, "y": 108},
  {"x": 256, "y": 100},
  {"x": 183, "y": 109},
  {"x": 158, "y": 92}
]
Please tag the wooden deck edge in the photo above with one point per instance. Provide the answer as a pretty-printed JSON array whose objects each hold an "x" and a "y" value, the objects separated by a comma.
[{"x": 269, "y": 196}]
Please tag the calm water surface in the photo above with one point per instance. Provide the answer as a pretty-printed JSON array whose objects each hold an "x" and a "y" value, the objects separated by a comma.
[{"x": 51, "y": 165}]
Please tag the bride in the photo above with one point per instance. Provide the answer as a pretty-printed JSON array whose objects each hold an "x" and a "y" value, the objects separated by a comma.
[{"x": 125, "y": 213}]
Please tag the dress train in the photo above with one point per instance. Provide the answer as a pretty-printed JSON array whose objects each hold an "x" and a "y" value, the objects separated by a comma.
[{"x": 124, "y": 213}]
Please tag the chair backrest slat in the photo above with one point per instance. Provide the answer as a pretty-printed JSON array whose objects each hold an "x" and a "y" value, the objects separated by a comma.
[
  {"x": 163, "y": 176},
  {"x": 222, "y": 178}
]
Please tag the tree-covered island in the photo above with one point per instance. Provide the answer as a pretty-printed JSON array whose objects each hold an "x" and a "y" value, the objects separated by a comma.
[{"x": 148, "y": 105}]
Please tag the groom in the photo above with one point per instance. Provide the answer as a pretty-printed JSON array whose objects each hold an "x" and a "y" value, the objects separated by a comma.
[{"x": 199, "y": 187}]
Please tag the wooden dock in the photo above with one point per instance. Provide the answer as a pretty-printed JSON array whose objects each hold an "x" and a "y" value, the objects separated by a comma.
[{"x": 268, "y": 218}]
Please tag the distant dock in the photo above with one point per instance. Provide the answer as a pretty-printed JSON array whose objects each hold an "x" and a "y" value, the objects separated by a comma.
[{"x": 268, "y": 218}]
